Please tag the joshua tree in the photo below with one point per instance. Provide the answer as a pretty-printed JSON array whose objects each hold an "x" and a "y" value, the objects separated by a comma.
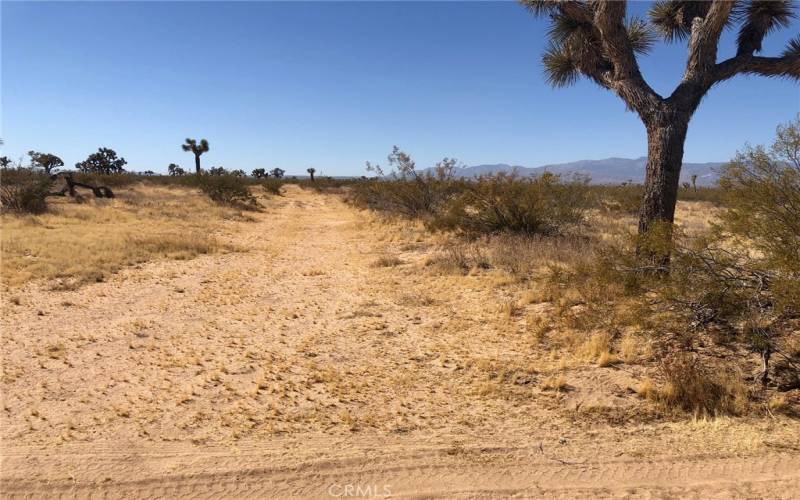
[
  {"x": 595, "y": 40},
  {"x": 217, "y": 171},
  {"x": 277, "y": 172},
  {"x": 238, "y": 173},
  {"x": 4, "y": 162},
  {"x": 197, "y": 150},
  {"x": 694, "y": 181},
  {"x": 104, "y": 161},
  {"x": 259, "y": 173},
  {"x": 311, "y": 171},
  {"x": 174, "y": 169},
  {"x": 49, "y": 163}
]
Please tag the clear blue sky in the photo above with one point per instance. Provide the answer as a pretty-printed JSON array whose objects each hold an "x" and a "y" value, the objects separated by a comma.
[{"x": 332, "y": 85}]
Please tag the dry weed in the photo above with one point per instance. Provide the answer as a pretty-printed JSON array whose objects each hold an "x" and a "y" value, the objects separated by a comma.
[{"x": 80, "y": 243}]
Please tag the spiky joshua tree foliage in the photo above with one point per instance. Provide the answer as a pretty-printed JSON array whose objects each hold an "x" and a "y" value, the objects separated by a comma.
[
  {"x": 197, "y": 150},
  {"x": 596, "y": 40},
  {"x": 46, "y": 161}
]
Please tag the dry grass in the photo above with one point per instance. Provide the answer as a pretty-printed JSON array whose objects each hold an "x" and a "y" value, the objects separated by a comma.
[
  {"x": 704, "y": 391},
  {"x": 556, "y": 382},
  {"x": 387, "y": 261},
  {"x": 80, "y": 243}
]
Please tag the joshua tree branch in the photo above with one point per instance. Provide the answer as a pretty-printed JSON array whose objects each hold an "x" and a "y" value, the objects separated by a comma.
[
  {"x": 626, "y": 80},
  {"x": 786, "y": 66},
  {"x": 609, "y": 18},
  {"x": 704, "y": 39}
]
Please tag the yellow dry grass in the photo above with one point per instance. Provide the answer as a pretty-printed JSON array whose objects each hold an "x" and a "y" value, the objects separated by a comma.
[{"x": 78, "y": 243}]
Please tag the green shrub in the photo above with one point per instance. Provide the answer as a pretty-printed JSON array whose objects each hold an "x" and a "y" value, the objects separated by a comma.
[
  {"x": 420, "y": 197},
  {"x": 762, "y": 191},
  {"x": 327, "y": 184},
  {"x": 628, "y": 197},
  {"x": 625, "y": 198},
  {"x": 227, "y": 190},
  {"x": 406, "y": 192},
  {"x": 505, "y": 203},
  {"x": 24, "y": 191},
  {"x": 713, "y": 195}
]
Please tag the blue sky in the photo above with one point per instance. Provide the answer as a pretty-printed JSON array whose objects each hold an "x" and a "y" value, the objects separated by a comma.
[{"x": 332, "y": 85}]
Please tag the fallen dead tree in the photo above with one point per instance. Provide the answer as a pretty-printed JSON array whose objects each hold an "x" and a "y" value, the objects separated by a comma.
[{"x": 71, "y": 184}]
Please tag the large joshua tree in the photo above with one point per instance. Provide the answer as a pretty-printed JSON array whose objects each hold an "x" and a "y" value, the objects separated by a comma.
[
  {"x": 594, "y": 39},
  {"x": 197, "y": 150}
]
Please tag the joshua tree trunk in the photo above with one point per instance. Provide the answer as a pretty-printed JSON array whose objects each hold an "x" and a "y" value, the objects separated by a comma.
[
  {"x": 665, "y": 137},
  {"x": 312, "y": 176},
  {"x": 197, "y": 164}
]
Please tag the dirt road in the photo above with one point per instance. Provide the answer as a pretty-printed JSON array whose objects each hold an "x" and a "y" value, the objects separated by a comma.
[{"x": 326, "y": 360}]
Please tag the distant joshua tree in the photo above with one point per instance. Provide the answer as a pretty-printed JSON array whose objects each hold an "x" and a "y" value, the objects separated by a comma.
[
  {"x": 311, "y": 171},
  {"x": 238, "y": 173},
  {"x": 46, "y": 161},
  {"x": 197, "y": 150},
  {"x": 175, "y": 170},
  {"x": 4, "y": 162},
  {"x": 148, "y": 173},
  {"x": 277, "y": 172},
  {"x": 694, "y": 181},
  {"x": 259, "y": 173},
  {"x": 104, "y": 161},
  {"x": 217, "y": 171},
  {"x": 596, "y": 40}
]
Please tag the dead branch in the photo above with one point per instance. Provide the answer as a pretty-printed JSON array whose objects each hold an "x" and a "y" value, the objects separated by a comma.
[{"x": 98, "y": 191}]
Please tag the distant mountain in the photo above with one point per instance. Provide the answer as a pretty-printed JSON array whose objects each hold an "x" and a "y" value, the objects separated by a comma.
[{"x": 608, "y": 171}]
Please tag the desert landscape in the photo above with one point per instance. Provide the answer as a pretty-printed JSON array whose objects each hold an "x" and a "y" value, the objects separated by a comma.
[
  {"x": 600, "y": 298},
  {"x": 342, "y": 350}
]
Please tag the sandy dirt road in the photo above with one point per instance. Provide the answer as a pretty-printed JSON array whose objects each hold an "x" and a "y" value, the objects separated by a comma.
[{"x": 301, "y": 367}]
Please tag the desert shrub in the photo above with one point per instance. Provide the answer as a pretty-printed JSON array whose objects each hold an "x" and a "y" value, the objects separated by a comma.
[
  {"x": 459, "y": 258},
  {"x": 762, "y": 191},
  {"x": 328, "y": 184},
  {"x": 624, "y": 198},
  {"x": 24, "y": 191},
  {"x": 702, "y": 390},
  {"x": 387, "y": 261},
  {"x": 522, "y": 254},
  {"x": 405, "y": 191},
  {"x": 628, "y": 197},
  {"x": 420, "y": 197},
  {"x": 713, "y": 195},
  {"x": 272, "y": 185},
  {"x": 227, "y": 190},
  {"x": 505, "y": 203}
]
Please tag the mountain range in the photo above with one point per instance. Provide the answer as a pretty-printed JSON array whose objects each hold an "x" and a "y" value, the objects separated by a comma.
[{"x": 608, "y": 171}]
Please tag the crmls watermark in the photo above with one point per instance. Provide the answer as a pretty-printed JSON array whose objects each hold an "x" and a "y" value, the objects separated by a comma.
[{"x": 359, "y": 490}]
